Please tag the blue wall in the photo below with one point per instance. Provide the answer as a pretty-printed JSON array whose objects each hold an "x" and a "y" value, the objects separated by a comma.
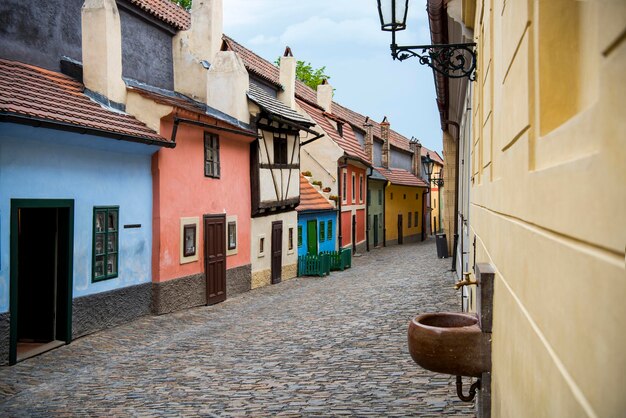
[
  {"x": 327, "y": 244},
  {"x": 40, "y": 163}
]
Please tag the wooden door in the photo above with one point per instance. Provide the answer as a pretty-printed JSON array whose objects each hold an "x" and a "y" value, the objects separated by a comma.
[
  {"x": 311, "y": 237},
  {"x": 215, "y": 257},
  {"x": 375, "y": 230},
  {"x": 400, "y": 237},
  {"x": 353, "y": 234},
  {"x": 277, "y": 251}
]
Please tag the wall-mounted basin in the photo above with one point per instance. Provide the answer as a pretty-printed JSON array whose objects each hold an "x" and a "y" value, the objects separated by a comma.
[{"x": 452, "y": 343}]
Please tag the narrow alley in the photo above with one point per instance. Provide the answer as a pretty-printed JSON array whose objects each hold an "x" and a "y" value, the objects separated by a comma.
[{"x": 308, "y": 346}]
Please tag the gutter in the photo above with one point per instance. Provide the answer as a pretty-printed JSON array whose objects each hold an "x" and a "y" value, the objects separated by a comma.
[{"x": 178, "y": 121}]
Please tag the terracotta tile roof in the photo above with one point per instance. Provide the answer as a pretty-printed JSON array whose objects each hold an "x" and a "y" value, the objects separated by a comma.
[
  {"x": 305, "y": 92},
  {"x": 310, "y": 198},
  {"x": 254, "y": 63},
  {"x": 166, "y": 11},
  {"x": 347, "y": 142},
  {"x": 401, "y": 177},
  {"x": 33, "y": 92},
  {"x": 433, "y": 155}
]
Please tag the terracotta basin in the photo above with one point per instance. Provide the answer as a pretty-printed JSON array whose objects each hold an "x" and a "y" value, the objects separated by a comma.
[{"x": 451, "y": 343}]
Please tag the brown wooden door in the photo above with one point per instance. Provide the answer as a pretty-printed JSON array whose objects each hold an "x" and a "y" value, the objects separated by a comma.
[
  {"x": 277, "y": 251},
  {"x": 215, "y": 258},
  {"x": 400, "y": 237}
]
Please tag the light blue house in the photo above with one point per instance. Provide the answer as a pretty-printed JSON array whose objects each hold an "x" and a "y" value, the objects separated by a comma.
[
  {"x": 317, "y": 221},
  {"x": 75, "y": 212}
]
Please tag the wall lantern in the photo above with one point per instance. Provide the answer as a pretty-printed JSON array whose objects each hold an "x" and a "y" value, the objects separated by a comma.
[
  {"x": 429, "y": 163},
  {"x": 450, "y": 60}
]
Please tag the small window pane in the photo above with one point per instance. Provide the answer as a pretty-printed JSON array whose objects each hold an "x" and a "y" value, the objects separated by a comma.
[
  {"x": 330, "y": 230},
  {"x": 299, "y": 236},
  {"x": 99, "y": 267},
  {"x": 232, "y": 235},
  {"x": 112, "y": 220},
  {"x": 291, "y": 238},
  {"x": 322, "y": 232},
  {"x": 189, "y": 233},
  {"x": 99, "y": 244},
  {"x": 111, "y": 243},
  {"x": 261, "y": 245},
  {"x": 100, "y": 221},
  {"x": 111, "y": 264}
]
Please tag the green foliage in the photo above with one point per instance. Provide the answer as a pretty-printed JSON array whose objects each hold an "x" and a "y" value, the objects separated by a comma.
[
  {"x": 185, "y": 4},
  {"x": 310, "y": 76}
]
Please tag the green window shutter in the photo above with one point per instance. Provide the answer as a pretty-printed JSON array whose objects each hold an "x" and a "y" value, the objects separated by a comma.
[
  {"x": 330, "y": 230},
  {"x": 322, "y": 231},
  {"x": 299, "y": 235}
]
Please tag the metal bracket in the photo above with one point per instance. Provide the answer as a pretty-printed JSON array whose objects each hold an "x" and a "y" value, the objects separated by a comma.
[{"x": 450, "y": 60}]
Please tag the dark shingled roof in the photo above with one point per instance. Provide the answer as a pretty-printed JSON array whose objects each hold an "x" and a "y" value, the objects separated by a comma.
[
  {"x": 274, "y": 106},
  {"x": 401, "y": 177}
]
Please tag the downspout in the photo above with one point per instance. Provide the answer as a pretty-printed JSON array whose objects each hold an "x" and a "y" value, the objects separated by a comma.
[
  {"x": 339, "y": 199},
  {"x": 457, "y": 191},
  {"x": 370, "y": 171},
  {"x": 385, "y": 214}
]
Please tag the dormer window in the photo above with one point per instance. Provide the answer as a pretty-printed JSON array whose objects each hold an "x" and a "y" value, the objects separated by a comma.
[{"x": 340, "y": 129}]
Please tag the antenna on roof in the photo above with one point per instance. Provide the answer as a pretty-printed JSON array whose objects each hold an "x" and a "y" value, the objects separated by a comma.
[{"x": 287, "y": 52}]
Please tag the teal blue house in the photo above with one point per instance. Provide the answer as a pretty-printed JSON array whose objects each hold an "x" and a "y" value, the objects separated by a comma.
[{"x": 317, "y": 221}]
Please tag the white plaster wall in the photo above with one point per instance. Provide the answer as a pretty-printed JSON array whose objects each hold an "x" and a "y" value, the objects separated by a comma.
[
  {"x": 320, "y": 158},
  {"x": 262, "y": 227},
  {"x": 281, "y": 177}
]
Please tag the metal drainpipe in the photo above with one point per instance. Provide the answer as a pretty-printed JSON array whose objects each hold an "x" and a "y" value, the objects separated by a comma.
[
  {"x": 339, "y": 199},
  {"x": 385, "y": 214},
  {"x": 456, "y": 194},
  {"x": 367, "y": 214}
]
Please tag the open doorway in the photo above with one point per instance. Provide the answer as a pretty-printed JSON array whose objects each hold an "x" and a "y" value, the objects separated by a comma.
[{"x": 41, "y": 275}]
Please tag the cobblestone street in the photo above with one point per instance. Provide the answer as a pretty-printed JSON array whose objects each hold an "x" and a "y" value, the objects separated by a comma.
[{"x": 308, "y": 346}]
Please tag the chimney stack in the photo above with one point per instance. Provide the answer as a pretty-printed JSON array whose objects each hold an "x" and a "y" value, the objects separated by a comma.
[
  {"x": 227, "y": 84},
  {"x": 369, "y": 139},
  {"x": 416, "y": 148},
  {"x": 102, "y": 49},
  {"x": 384, "y": 134},
  {"x": 199, "y": 43},
  {"x": 325, "y": 96},
  {"x": 287, "y": 78}
]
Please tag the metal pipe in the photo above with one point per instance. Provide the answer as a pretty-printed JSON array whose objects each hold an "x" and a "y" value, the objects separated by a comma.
[{"x": 472, "y": 391}]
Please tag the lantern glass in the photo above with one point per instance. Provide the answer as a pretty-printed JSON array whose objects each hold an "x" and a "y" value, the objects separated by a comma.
[
  {"x": 392, "y": 14},
  {"x": 429, "y": 163}
]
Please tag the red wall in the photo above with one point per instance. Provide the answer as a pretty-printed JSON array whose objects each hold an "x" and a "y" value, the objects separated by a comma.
[
  {"x": 180, "y": 189},
  {"x": 348, "y": 207}
]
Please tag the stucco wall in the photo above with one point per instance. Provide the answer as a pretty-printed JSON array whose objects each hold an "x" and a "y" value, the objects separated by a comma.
[
  {"x": 375, "y": 208},
  {"x": 182, "y": 191},
  {"x": 329, "y": 244},
  {"x": 262, "y": 227},
  {"x": 40, "y": 32},
  {"x": 401, "y": 159},
  {"x": 548, "y": 203},
  {"x": 40, "y": 163}
]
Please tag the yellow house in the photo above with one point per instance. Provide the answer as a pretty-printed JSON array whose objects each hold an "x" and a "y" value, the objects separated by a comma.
[
  {"x": 540, "y": 145},
  {"x": 404, "y": 206}
]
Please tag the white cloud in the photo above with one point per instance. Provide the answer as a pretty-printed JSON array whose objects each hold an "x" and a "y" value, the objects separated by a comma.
[{"x": 263, "y": 40}]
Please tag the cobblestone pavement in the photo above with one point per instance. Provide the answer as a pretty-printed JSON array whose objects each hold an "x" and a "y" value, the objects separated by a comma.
[{"x": 308, "y": 346}]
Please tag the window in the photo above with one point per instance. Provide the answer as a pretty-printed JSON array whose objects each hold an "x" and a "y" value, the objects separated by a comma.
[
  {"x": 280, "y": 148},
  {"x": 299, "y": 236},
  {"x": 105, "y": 243},
  {"x": 353, "y": 187},
  {"x": 416, "y": 219},
  {"x": 380, "y": 197},
  {"x": 189, "y": 245},
  {"x": 405, "y": 196},
  {"x": 417, "y": 196},
  {"x": 261, "y": 245},
  {"x": 361, "y": 188},
  {"x": 391, "y": 196},
  {"x": 322, "y": 232},
  {"x": 330, "y": 230},
  {"x": 369, "y": 197},
  {"x": 344, "y": 187},
  {"x": 232, "y": 235},
  {"x": 291, "y": 238},
  {"x": 409, "y": 216},
  {"x": 211, "y": 155}
]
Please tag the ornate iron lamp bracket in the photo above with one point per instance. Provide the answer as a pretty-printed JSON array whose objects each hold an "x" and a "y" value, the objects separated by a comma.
[{"x": 451, "y": 60}]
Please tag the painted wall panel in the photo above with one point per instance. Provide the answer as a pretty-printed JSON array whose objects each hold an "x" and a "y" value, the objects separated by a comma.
[
  {"x": 401, "y": 159},
  {"x": 329, "y": 243},
  {"x": 405, "y": 206},
  {"x": 38, "y": 163}
]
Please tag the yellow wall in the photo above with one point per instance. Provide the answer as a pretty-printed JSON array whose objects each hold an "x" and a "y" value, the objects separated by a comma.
[
  {"x": 435, "y": 201},
  {"x": 548, "y": 202},
  {"x": 398, "y": 204}
]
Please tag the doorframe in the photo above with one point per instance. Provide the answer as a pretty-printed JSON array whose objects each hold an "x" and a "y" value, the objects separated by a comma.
[
  {"x": 204, "y": 247},
  {"x": 16, "y": 205},
  {"x": 280, "y": 273},
  {"x": 400, "y": 229}
]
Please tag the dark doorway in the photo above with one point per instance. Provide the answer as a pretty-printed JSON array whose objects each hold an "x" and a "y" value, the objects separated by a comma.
[
  {"x": 215, "y": 258},
  {"x": 277, "y": 251},
  {"x": 354, "y": 233},
  {"x": 400, "y": 237},
  {"x": 41, "y": 275},
  {"x": 311, "y": 237},
  {"x": 375, "y": 230}
]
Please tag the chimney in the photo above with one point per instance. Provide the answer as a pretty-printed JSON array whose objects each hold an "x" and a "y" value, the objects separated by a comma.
[
  {"x": 227, "y": 85},
  {"x": 369, "y": 139},
  {"x": 199, "y": 43},
  {"x": 384, "y": 134},
  {"x": 325, "y": 96},
  {"x": 416, "y": 162},
  {"x": 102, "y": 49},
  {"x": 287, "y": 78}
]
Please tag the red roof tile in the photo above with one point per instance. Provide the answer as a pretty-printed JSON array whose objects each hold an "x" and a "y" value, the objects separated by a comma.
[
  {"x": 166, "y": 11},
  {"x": 310, "y": 198},
  {"x": 401, "y": 177},
  {"x": 433, "y": 154},
  {"x": 347, "y": 142},
  {"x": 34, "y": 92}
]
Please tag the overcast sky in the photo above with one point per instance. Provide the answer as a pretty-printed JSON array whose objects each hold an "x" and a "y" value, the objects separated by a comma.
[{"x": 345, "y": 36}]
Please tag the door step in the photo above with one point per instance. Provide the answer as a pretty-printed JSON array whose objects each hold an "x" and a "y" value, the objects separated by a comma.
[{"x": 28, "y": 350}]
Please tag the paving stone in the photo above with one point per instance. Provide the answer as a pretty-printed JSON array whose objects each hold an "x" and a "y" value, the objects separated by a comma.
[{"x": 309, "y": 346}]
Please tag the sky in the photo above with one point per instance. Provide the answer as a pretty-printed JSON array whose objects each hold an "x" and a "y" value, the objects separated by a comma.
[{"x": 345, "y": 37}]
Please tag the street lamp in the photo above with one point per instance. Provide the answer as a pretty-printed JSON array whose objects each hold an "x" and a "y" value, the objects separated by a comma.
[
  {"x": 437, "y": 181},
  {"x": 450, "y": 60}
]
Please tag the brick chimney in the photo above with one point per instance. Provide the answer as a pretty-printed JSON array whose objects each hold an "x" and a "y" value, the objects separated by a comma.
[
  {"x": 102, "y": 49},
  {"x": 199, "y": 43},
  {"x": 287, "y": 78},
  {"x": 227, "y": 84},
  {"x": 325, "y": 96},
  {"x": 369, "y": 139},
  {"x": 416, "y": 162},
  {"x": 384, "y": 134}
]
